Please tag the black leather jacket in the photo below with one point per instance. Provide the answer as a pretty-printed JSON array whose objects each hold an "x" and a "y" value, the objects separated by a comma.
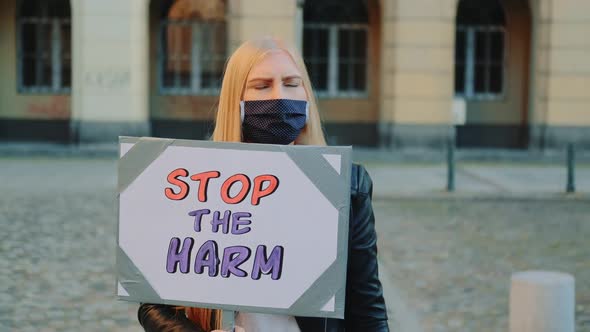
[{"x": 364, "y": 308}]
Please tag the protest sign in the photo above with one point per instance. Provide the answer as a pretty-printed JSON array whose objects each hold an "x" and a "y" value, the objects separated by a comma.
[{"x": 234, "y": 226}]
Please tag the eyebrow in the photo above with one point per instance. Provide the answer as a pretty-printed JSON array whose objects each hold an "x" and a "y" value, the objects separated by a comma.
[
  {"x": 291, "y": 77},
  {"x": 286, "y": 78}
]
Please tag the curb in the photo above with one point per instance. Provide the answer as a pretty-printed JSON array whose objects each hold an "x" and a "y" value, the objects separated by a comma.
[
  {"x": 105, "y": 150},
  {"x": 477, "y": 196},
  {"x": 360, "y": 154}
]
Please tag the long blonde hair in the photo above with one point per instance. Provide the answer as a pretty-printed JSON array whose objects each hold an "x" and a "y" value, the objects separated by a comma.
[
  {"x": 206, "y": 319},
  {"x": 228, "y": 127}
]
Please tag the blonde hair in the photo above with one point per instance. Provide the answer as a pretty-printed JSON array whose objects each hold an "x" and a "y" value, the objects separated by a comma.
[
  {"x": 206, "y": 319},
  {"x": 228, "y": 126}
]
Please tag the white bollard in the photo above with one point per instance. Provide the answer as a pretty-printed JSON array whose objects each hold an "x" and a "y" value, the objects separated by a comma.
[{"x": 542, "y": 301}]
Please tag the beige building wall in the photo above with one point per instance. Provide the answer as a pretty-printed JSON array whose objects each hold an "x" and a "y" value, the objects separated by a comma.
[
  {"x": 15, "y": 105},
  {"x": 110, "y": 69},
  {"x": 411, "y": 83},
  {"x": 560, "y": 93},
  {"x": 418, "y": 39},
  {"x": 255, "y": 18},
  {"x": 417, "y": 81},
  {"x": 412, "y": 69},
  {"x": 568, "y": 86},
  {"x": 245, "y": 19},
  {"x": 511, "y": 108},
  {"x": 568, "y": 89},
  {"x": 348, "y": 111},
  {"x": 539, "y": 76},
  {"x": 165, "y": 106}
]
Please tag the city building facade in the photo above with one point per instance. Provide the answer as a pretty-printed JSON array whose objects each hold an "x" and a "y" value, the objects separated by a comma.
[{"x": 388, "y": 73}]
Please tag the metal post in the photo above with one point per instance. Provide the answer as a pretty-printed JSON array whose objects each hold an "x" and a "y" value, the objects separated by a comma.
[
  {"x": 451, "y": 165},
  {"x": 571, "y": 184}
]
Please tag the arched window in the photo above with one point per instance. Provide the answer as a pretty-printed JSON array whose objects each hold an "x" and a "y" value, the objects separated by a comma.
[
  {"x": 335, "y": 47},
  {"x": 479, "y": 49},
  {"x": 44, "y": 46},
  {"x": 192, "y": 46}
]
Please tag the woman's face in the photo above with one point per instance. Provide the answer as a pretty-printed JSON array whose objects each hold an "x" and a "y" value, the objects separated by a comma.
[{"x": 275, "y": 77}]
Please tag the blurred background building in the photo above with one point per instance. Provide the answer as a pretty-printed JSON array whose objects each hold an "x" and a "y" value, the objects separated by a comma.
[{"x": 388, "y": 72}]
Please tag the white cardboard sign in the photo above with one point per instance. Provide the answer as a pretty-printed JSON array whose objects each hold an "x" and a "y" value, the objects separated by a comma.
[{"x": 248, "y": 227}]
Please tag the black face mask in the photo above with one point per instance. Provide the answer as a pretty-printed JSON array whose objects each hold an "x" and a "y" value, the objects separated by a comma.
[{"x": 273, "y": 121}]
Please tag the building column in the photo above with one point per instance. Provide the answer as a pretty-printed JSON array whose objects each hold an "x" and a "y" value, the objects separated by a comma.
[
  {"x": 250, "y": 19},
  {"x": 538, "y": 74},
  {"x": 110, "y": 69},
  {"x": 564, "y": 53},
  {"x": 417, "y": 81}
]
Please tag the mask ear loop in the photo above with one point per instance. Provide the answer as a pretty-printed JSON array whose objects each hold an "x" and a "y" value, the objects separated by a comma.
[
  {"x": 242, "y": 111},
  {"x": 306, "y": 112}
]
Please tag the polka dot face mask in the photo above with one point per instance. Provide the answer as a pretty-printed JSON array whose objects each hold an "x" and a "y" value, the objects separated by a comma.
[{"x": 273, "y": 121}]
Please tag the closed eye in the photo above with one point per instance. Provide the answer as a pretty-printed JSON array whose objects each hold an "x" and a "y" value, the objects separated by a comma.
[
  {"x": 292, "y": 82},
  {"x": 261, "y": 86},
  {"x": 259, "y": 83}
]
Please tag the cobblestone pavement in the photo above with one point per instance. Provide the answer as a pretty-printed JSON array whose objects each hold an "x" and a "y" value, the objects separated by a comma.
[
  {"x": 57, "y": 247},
  {"x": 450, "y": 259}
]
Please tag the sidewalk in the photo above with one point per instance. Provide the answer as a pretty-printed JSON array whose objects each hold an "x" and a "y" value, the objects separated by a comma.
[
  {"x": 414, "y": 173},
  {"x": 523, "y": 180},
  {"x": 510, "y": 174},
  {"x": 445, "y": 258}
]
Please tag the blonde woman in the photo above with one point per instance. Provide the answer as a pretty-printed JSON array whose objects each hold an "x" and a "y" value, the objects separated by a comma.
[{"x": 266, "y": 97}]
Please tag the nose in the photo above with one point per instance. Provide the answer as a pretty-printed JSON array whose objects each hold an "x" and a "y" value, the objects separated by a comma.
[{"x": 277, "y": 91}]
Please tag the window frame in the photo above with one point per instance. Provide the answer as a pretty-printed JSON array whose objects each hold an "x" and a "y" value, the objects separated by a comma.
[
  {"x": 56, "y": 53},
  {"x": 469, "y": 63},
  {"x": 333, "y": 60},
  {"x": 195, "y": 88}
]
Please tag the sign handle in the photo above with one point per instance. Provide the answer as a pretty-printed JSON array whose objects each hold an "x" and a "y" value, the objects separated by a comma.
[{"x": 227, "y": 320}]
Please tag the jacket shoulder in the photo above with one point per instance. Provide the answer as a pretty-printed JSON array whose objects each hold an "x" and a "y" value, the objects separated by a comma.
[{"x": 360, "y": 182}]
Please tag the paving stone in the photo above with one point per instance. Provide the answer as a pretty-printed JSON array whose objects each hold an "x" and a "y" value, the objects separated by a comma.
[
  {"x": 452, "y": 257},
  {"x": 489, "y": 240}
]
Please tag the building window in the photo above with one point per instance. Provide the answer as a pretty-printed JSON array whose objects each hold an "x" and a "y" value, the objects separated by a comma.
[
  {"x": 192, "y": 48},
  {"x": 479, "y": 66},
  {"x": 480, "y": 41},
  {"x": 335, "y": 47},
  {"x": 336, "y": 57},
  {"x": 44, "y": 47}
]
